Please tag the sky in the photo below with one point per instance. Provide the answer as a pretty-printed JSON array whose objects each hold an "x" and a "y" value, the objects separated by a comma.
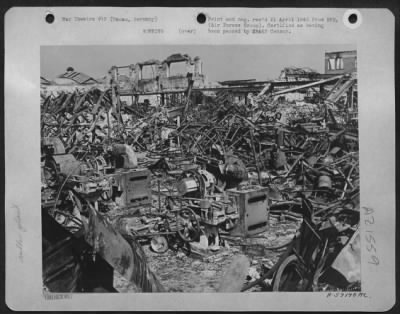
[{"x": 220, "y": 62}]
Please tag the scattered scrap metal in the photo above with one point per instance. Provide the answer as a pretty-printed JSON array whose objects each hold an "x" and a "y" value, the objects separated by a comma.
[{"x": 196, "y": 176}]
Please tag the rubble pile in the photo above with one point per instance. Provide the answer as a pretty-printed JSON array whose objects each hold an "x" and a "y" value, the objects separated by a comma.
[{"x": 192, "y": 186}]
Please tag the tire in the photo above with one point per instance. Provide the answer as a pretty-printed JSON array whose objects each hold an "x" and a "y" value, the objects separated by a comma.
[{"x": 289, "y": 276}]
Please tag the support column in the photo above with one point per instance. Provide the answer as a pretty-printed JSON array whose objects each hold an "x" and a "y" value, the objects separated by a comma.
[{"x": 162, "y": 100}]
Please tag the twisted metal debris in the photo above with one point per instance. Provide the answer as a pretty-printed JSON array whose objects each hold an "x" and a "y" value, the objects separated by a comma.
[{"x": 303, "y": 149}]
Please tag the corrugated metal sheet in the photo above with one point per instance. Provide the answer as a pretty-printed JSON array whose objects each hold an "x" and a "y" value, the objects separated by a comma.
[{"x": 78, "y": 77}]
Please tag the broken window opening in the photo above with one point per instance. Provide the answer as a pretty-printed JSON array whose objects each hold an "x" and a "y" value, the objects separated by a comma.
[
  {"x": 331, "y": 64},
  {"x": 339, "y": 63},
  {"x": 149, "y": 72},
  {"x": 177, "y": 69}
]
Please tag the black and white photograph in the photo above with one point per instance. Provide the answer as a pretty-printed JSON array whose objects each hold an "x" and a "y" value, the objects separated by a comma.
[
  {"x": 200, "y": 168},
  {"x": 200, "y": 159}
]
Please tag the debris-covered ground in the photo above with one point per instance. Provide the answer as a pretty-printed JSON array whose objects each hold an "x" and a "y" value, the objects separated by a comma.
[
  {"x": 181, "y": 273},
  {"x": 194, "y": 182}
]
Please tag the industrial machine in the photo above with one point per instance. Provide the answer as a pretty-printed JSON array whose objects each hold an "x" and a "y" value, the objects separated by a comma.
[
  {"x": 131, "y": 187},
  {"x": 241, "y": 211},
  {"x": 196, "y": 183},
  {"x": 79, "y": 241},
  {"x": 112, "y": 174},
  {"x": 252, "y": 204}
]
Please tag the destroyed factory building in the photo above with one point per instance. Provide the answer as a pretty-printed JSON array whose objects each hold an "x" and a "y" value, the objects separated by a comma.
[{"x": 158, "y": 180}]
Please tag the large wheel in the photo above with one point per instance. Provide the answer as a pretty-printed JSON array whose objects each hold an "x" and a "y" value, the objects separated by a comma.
[
  {"x": 290, "y": 276},
  {"x": 188, "y": 226}
]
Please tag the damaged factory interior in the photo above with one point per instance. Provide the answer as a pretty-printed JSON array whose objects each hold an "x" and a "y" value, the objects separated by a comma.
[{"x": 157, "y": 179}]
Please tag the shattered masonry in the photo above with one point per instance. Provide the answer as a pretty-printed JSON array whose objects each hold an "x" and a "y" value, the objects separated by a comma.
[{"x": 158, "y": 180}]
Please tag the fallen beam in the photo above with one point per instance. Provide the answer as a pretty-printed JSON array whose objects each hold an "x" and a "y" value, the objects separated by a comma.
[{"x": 290, "y": 90}]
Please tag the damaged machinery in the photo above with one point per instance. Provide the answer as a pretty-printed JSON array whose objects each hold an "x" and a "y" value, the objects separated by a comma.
[{"x": 175, "y": 163}]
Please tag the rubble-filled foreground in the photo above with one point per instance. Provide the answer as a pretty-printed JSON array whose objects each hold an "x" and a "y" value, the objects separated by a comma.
[{"x": 201, "y": 196}]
